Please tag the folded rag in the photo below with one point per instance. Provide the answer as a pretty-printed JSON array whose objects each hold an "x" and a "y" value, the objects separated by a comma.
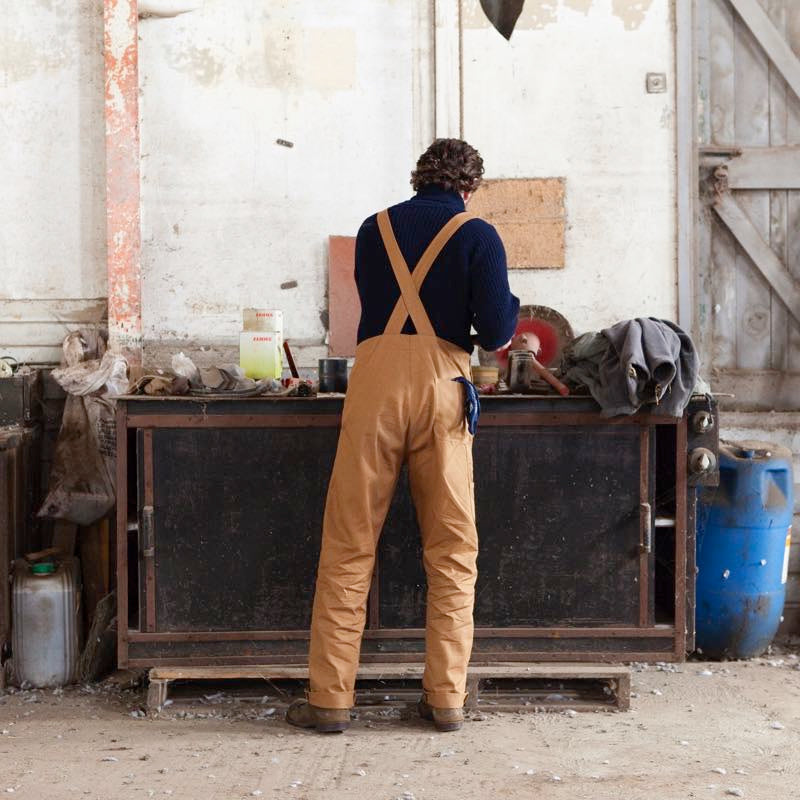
[{"x": 472, "y": 404}]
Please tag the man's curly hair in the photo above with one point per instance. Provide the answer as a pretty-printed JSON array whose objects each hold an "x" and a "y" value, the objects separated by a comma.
[{"x": 450, "y": 163}]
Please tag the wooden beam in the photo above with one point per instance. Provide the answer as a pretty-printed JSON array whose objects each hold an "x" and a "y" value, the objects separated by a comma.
[
  {"x": 765, "y": 168},
  {"x": 761, "y": 254},
  {"x": 772, "y": 40},
  {"x": 123, "y": 233}
]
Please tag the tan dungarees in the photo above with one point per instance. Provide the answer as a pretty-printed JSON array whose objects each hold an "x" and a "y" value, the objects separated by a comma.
[{"x": 402, "y": 406}]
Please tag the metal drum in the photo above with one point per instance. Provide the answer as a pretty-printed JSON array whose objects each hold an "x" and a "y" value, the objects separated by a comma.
[{"x": 743, "y": 536}]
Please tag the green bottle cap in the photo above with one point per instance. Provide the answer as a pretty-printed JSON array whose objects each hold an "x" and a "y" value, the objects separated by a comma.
[{"x": 44, "y": 568}]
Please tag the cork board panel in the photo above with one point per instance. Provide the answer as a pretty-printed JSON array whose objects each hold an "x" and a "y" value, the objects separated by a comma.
[
  {"x": 344, "y": 307},
  {"x": 530, "y": 217}
]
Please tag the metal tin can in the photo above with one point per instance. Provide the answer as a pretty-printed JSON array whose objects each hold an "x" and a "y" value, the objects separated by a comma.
[
  {"x": 333, "y": 375},
  {"x": 520, "y": 370}
]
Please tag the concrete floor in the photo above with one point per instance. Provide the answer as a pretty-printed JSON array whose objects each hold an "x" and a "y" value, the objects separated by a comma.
[{"x": 732, "y": 733}]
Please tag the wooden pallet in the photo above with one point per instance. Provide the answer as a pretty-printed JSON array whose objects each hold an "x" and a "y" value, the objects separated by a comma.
[{"x": 492, "y": 687}]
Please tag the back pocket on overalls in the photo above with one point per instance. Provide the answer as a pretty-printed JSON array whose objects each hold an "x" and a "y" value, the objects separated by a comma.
[{"x": 449, "y": 421}]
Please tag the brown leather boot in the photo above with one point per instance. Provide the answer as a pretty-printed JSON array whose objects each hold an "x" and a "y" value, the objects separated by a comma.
[
  {"x": 326, "y": 720},
  {"x": 444, "y": 719}
]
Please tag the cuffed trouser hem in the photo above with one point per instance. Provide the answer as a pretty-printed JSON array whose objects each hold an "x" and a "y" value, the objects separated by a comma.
[
  {"x": 444, "y": 699},
  {"x": 331, "y": 699}
]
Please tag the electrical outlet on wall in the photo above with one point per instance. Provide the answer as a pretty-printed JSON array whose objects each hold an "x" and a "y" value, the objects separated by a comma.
[{"x": 656, "y": 82}]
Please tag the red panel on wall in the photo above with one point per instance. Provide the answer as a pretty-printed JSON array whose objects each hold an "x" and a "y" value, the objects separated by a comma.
[{"x": 344, "y": 307}]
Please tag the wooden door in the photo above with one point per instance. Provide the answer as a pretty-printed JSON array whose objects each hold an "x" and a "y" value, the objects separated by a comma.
[{"x": 748, "y": 283}]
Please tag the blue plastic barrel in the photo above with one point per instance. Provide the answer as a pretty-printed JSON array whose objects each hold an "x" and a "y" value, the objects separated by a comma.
[{"x": 743, "y": 536}]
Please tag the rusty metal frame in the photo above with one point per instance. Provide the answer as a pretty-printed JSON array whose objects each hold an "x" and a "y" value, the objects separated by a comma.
[
  {"x": 644, "y": 520},
  {"x": 122, "y": 535},
  {"x": 147, "y": 539},
  {"x": 408, "y": 658},
  {"x": 681, "y": 518},
  {"x": 620, "y": 632},
  {"x": 675, "y": 634}
]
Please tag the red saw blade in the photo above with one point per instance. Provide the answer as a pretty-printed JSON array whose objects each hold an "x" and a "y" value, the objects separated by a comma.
[{"x": 548, "y": 339}]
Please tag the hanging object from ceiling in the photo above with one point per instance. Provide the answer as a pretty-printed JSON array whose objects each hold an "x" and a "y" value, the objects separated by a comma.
[{"x": 503, "y": 14}]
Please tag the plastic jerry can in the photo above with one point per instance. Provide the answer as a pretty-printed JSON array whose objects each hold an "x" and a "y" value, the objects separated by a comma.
[{"x": 45, "y": 622}]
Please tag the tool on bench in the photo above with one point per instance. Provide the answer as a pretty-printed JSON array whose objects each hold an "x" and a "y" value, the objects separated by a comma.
[{"x": 290, "y": 359}]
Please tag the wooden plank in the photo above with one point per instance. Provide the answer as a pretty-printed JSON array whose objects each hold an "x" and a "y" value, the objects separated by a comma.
[
  {"x": 723, "y": 295},
  {"x": 93, "y": 550},
  {"x": 722, "y": 73},
  {"x": 702, "y": 26},
  {"x": 751, "y": 113},
  {"x": 722, "y": 269},
  {"x": 703, "y": 332},
  {"x": 760, "y": 253},
  {"x": 392, "y": 671},
  {"x": 531, "y": 693},
  {"x": 778, "y": 120},
  {"x": 792, "y": 33},
  {"x": 793, "y": 265},
  {"x": 758, "y": 390},
  {"x": 771, "y": 40},
  {"x": 767, "y": 167},
  {"x": 64, "y": 536}
]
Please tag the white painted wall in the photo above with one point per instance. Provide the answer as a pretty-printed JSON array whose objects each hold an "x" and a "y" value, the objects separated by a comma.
[
  {"x": 566, "y": 97},
  {"x": 227, "y": 214},
  {"x": 52, "y": 213}
]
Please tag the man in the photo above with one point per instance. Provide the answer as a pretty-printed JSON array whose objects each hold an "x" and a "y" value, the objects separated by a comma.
[{"x": 426, "y": 273}]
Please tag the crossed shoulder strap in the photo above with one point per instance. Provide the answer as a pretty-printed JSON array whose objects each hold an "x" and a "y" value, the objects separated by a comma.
[{"x": 409, "y": 302}]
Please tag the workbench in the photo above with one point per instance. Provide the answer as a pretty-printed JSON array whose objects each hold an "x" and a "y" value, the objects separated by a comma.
[{"x": 586, "y": 529}]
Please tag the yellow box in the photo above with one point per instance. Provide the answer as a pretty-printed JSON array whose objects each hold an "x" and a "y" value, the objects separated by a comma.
[{"x": 260, "y": 354}]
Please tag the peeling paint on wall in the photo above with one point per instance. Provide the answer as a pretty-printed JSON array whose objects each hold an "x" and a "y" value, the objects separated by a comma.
[
  {"x": 631, "y": 12},
  {"x": 199, "y": 62},
  {"x": 582, "y": 6},
  {"x": 539, "y": 14},
  {"x": 21, "y": 59},
  {"x": 312, "y": 58}
]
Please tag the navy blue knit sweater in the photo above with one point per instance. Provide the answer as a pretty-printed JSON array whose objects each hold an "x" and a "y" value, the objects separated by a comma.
[{"x": 466, "y": 286}]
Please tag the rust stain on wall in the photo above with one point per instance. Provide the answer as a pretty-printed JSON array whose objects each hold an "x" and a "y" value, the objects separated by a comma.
[{"x": 530, "y": 217}]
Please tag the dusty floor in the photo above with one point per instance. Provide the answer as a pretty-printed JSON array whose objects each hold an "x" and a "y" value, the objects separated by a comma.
[{"x": 734, "y": 732}]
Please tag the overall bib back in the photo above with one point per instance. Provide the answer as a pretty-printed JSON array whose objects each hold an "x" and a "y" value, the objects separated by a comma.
[{"x": 402, "y": 405}]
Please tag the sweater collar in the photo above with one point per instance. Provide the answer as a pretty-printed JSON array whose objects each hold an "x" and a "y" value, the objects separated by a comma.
[{"x": 435, "y": 192}]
